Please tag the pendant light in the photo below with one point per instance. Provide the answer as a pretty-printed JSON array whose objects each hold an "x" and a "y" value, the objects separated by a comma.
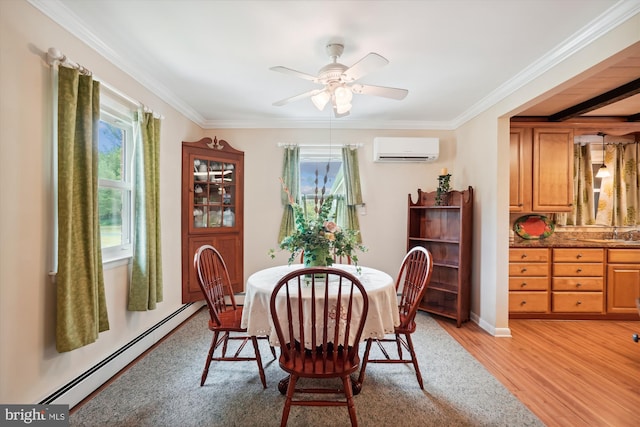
[{"x": 603, "y": 172}]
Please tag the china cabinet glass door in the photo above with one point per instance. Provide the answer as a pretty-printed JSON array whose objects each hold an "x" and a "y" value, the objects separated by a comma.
[{"x": 214, "y": 193}]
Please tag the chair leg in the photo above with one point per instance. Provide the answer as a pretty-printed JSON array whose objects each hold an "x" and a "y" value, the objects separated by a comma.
[
  {"x": 291, "y": 388},
  {"x": 399, "y": 344},
  {"x": 346, "y": 383},
  {"x": 414, "y": 359},
  {"x": 256, "y": 348},
  {"x": 205, "y": 373},
  {"x": 365, "y": 359},
  {"x": 273, "y": 351}
]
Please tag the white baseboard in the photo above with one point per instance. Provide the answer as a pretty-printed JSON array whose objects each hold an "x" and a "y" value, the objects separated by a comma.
[{"x": 82, "y": 386}]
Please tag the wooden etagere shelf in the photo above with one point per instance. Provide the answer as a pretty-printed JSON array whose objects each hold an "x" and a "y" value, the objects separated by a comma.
[{"x": 446, "y": 232}]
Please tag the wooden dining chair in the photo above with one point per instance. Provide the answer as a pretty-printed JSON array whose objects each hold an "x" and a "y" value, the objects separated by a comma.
[
  {"x": 224, "y": 321},
  {"x": 414, "y": 277},
  {"x": 319, "y": 334}
]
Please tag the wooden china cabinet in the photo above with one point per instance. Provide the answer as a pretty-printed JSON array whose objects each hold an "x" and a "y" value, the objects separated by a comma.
[
  {"x": 446, "y": 232},
  {"x": 212, "y": 209}
]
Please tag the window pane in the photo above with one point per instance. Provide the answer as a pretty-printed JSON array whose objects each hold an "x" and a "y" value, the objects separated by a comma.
[
  {"x": 110, "y": 147},
  {"x": 110, "y": 207},
  {"x": 308, "y": 176}
]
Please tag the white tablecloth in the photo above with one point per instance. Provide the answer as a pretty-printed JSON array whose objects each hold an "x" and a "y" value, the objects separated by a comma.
[{"x": 383, "y": 313}]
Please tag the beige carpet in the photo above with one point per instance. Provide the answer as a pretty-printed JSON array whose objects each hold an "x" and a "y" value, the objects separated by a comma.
[{"x": 163, "y": 389}]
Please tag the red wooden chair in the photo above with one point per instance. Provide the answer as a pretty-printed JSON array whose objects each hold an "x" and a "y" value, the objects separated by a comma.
[
  {"x": 213, "y": 278},
  {"x": 319, "y": 333},
  {"x": 414, "y": 277}
]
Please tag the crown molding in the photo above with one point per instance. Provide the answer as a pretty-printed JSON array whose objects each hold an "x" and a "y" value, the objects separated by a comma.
[{"x": 614, "y": 16}]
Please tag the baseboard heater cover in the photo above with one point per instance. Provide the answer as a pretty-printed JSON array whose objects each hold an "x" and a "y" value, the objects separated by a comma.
[{"x": 86, "y": 383}]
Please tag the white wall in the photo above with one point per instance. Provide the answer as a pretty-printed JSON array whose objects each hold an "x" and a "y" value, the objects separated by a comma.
[{"x": 385, "y": 190}]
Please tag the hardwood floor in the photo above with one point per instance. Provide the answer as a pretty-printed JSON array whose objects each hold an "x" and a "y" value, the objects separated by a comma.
[{"x": 569, "y": 373}]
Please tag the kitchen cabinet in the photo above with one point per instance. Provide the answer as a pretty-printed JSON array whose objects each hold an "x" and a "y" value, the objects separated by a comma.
[
  {"x": 623, "y": 281},
  {"x": 541, "y": 169},
  {"x": 578, "y": 280},
  {"x": 446, "y": 232},
  {"x": 212, "y": 209},
  {"x": 528, "y": 280}
]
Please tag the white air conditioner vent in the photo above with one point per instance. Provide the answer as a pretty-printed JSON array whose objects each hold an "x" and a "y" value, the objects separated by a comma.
[{"x": 405, "y": 149}]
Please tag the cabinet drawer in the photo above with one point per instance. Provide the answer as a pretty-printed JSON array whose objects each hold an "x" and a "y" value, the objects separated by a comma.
[
  {"x": 624, "y": 256},
  {"x": 528, "y": 302},
  {"x": 528, "y": 269},
  {"x": 577, "y": 302},
  {"x": 570, "y": 269},
  {"x": 529, "y": 255},
  {"x": 578, "y": 284},
  {"x": 528, "y": 283},
  {"x": 578, "y": 255}
]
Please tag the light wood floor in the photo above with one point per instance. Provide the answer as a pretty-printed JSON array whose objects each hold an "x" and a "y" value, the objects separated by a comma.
[{"x": 569, "y": 373}]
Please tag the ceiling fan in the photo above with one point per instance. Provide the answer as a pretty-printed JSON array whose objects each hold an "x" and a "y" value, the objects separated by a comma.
[{"x": 339, "y": 82}]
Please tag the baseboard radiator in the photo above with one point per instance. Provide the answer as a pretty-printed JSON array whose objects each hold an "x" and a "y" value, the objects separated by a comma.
[{"x": 83, "y": 385}]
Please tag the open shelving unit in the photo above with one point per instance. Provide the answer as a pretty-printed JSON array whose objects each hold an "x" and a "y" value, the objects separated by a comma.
[{"x": 446, "y": 232}]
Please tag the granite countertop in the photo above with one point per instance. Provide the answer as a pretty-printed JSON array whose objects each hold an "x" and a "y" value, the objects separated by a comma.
[{"x": 577, "y": 240}]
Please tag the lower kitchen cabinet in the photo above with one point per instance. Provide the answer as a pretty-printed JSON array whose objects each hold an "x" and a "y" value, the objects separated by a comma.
[
  {"x": 623, "y": 281},
  {"x": 578, "y": 281}
]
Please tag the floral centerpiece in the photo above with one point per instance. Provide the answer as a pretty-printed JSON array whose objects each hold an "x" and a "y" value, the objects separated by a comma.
[{"x": 319, "y": 239}]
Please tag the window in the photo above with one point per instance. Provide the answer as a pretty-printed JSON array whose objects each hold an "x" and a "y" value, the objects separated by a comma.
[
  {"x": 313, "y": 167},
  {"x": 115, "y": 178}
]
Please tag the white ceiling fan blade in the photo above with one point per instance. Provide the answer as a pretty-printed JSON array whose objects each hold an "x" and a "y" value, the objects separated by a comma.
[
  {"x": 369, "y": 63},
  {"x": 297, "y": 97},
  {"x": 387, "y": 92},
  {"x": 292, "y": 72}
]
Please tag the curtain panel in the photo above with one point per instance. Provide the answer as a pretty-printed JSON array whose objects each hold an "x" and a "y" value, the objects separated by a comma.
[
  {"x": 81, "y": 312},
  {"x": 146, "y": 288},
  {"x": 291, "y": 183}
]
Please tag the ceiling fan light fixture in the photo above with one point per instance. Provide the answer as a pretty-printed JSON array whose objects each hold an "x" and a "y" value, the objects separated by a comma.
[
  {"x": 321, "y": 99},
  {"x": 342, "y": 108},
  {"x": 343, "y": 95}
]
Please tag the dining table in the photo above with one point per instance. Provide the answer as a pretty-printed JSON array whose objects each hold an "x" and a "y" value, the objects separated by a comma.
[{"x": 382, "y": 316}]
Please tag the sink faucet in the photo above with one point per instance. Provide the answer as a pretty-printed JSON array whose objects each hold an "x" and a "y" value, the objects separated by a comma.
[{"x": 615, "y": 232}]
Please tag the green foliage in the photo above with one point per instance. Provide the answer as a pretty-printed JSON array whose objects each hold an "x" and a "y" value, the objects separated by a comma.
[{"x": 319, "y": 237}]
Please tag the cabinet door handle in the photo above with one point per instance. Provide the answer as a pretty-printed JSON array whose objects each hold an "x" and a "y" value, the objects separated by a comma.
[
  {"x": 579, "y": 256},
  {"x": 578, "y": 302},
  {"x": 523, "y": 303},
  {"x": 523, "y": 256},
  {"x": 523, "y": 284},
  {"x": 523, "y": 270},
  {"x": 579, "y": 270},
  {"x": 578, "y": 284}
]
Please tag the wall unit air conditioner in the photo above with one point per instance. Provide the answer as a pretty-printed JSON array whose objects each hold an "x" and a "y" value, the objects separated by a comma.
[{"x": 402, "y": 149}]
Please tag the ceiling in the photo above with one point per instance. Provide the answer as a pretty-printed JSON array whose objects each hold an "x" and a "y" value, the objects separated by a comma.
[{"x": 210, "y": 59}]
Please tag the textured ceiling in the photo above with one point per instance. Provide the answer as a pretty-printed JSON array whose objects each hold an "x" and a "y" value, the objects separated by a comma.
[{"x": 211, "y": 59}]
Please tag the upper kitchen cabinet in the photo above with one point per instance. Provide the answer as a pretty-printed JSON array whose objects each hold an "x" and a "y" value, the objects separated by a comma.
[
  {"x": 212, "y": 209},
  {"x": 541, "y": 169}
]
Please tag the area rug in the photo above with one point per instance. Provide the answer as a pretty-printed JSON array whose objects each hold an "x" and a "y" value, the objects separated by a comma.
[{"x": 163, "y": 389}]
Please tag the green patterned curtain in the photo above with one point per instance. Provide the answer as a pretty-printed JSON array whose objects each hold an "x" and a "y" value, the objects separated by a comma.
[
  {"x": 291, "y": 180},
  {"x": 146, "y": 276},
  {"x": 583, "y": 201},
  {"x": 619, "y": 199},
  {"x": 81, "y": 304},
  {"x": 352, "y": 187}
]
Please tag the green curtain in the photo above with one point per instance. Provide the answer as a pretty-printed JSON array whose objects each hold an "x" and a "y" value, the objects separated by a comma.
[
  {"x": 291, "y": 181},
  {"x": 583, "y": 201},
  {"x": 81, "y": 304},
  {"x": 352, "y": 188},
  {"x": 146, "y": 274}
]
